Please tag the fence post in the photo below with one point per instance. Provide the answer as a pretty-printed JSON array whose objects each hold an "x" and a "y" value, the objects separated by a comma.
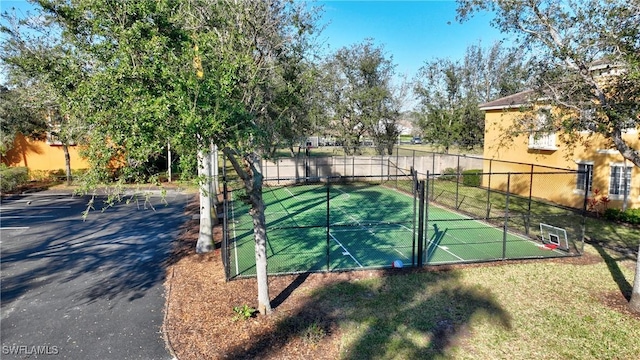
[
  {"x": 328, "y": 225},
  {"x": 414, "y": 192},
  {"x": 506, "y": 219},
  {"x": 426, "y": 218},
  {"x": 413, "y": 159},
  {"x": 433, "y": 171},
  {"x": 528, "y": 218},
  {"x": 421, "y": 186},
  {"x": 457, "y": 180},
  {"x": 489, "y": 191},
  {"x": 584, "y": 212},
  {"x": 345, "y": 165},
  {"x": 353, "y": 168}
]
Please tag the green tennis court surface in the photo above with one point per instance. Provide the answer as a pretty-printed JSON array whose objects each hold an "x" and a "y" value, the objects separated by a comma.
[{"x": 315, "y": 228}]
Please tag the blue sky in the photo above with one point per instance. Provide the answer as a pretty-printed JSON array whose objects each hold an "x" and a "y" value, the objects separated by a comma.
[{"x": 412, "y": 32}]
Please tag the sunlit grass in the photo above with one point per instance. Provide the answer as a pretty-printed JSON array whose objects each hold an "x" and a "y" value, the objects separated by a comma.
[{"x": 532, "y": 310}]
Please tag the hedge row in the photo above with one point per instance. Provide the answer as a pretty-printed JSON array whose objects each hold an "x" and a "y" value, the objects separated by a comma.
[
  {"x": 630, "y": 216},
  {"x": 469, "y": 177},
  {"x": 472, "y": 178},
  {"x": 12, "y": 177}
]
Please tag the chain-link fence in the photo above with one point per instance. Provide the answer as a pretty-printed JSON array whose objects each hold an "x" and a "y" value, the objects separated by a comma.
[{"x": 337, "y": 214}]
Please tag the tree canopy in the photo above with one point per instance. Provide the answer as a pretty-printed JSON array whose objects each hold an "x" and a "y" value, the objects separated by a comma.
[
  {"x": 585, "y": 58},
  {"x": 449, "y": 92},
  {"x": 359, "y": 96}
]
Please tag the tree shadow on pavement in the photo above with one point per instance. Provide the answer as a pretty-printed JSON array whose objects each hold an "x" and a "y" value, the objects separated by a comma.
[{"x": 120, "y": 252}]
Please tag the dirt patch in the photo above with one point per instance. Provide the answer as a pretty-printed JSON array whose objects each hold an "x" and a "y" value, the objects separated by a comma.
[{"x": 618, "y": 302}]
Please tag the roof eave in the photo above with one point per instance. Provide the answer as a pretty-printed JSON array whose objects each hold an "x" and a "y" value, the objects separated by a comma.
[{"x": 503, "y": 107}]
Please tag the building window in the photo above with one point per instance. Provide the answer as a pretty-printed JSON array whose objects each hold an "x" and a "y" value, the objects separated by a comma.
[
  {"x": 541, "y": 137},
  {"x": 617, "y": 180},
  {"x": 585, "y": 177},
  {"x": 542, "y": 141}
]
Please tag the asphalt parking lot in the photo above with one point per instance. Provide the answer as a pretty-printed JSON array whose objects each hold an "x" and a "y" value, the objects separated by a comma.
[{"x": 74, "y": 288}]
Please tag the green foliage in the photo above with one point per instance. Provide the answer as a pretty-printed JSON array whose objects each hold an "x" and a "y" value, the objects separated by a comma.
[
  {"x": 359, "y": 96},
  {"x": 592, "y": 80},
  {"x": 12, "y": 177},
  {"x": 629, "y": 216},
  {"x": 450, "y": 90},
  {"x": 450, "y": 174},
  {"x": 55, "y": 175},
  {"x": 243, "y": 312},
  {"x": 472, "y": 177},
  {"x": 314, "y": 333}
]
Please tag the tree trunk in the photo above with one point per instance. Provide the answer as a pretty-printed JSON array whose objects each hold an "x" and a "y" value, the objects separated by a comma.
[
  {"x": 205, "y": 236},
  {"x": 260, "y": 235},
  {"x": 215, "y": 186},
  {"x": 252, "y": 178},
  {"x": 67, "y": 163},
  {"x": 634, "y": 303}
]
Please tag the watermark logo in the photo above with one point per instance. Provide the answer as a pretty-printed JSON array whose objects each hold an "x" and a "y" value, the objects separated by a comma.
[{"x": 30, "y": 350}]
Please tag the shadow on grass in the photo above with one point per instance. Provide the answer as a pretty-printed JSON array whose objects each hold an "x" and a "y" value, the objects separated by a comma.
[
  {"x": 625, "y": 287},
  {"x": 401, "y": 314}
]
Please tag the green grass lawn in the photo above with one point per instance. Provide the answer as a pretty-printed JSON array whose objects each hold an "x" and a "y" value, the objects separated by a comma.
[{"x": 528, "y": 310}]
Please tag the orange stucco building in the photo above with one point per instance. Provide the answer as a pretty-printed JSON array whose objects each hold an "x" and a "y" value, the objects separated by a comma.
[{"x": 42, "y": 155}]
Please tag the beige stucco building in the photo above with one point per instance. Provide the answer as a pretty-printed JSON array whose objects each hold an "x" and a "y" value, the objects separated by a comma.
[{"x": 603, "y": 170}]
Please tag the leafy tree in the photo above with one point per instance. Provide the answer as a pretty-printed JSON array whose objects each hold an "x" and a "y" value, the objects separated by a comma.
[
  {"x": 451, "y": 90},
  {"x": 570, "y": 43},
  {"x": 439, "y": 89},
  {"x": 196, "y": 74},
  {"x": 17, "y": 117},
  {"x": 42, "y": 73},
  {"x": 360, "y": 96}
]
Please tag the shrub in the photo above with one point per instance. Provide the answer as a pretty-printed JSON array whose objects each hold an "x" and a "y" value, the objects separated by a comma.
[
  {"x": 472, "y": 177},
  {"x": 612, "y": 214},
  {"x": 598, "y": 203},
  {"x": 630, "y": 216},
  {"x": 450, "y": 174},
  {"x": 12, "y": 177}
]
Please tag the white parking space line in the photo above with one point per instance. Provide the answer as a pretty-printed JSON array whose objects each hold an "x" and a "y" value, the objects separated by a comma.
[
  {"x": 33, "y": 207},
  {"x": 44, "y": 200},
  {"x": 27, "y": 216}
]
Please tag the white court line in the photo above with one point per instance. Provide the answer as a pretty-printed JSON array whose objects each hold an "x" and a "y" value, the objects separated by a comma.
[
  {"x": 398, "y": 251},
  {"x": 488, "y": 226},
  {"x": 235, "y": 239},
  {"x": 345, "y": 250},
  {"x": 289, "y": 191},
  {"x": 466, "y": 244},
  {"x": 303, "y": 197},
  {"x": 369, "y": 230},
  {"x": 345, "y": 193},
  {"x": 446, "y": 250},
  {"x": 14, "y": 228}
]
